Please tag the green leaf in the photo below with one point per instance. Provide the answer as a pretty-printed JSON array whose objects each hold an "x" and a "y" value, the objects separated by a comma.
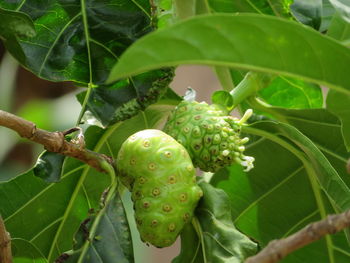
[
  {"x": 292, "y": 93},
  {"x": 49, "y": 167},
  {"x": 80, "y": 42},
  {"x": 339, "y": 29},
  {"x": 107, "y": 238},
  {"x": 123, "y": 100},
  {"x": 14, "y": 25},
  {"x": 325, "y": 132},
  {"x": 50, "y": 205},
  {"x": 191, "y": 249},
  {"x": 339, "y": 104},
  {"x": 326, "y": 176},
  {"x": 275, "y": 201},
  {"x": 260, "y": 43},
  {"x": 308, "y": 12},
  {"x": 279, "y": 197},
  {"x": 219, "y": 240},
  {"x": 317, "y": 14},
  {"x": 57, "y": 210},
  {"x": 342, "y": 7}
]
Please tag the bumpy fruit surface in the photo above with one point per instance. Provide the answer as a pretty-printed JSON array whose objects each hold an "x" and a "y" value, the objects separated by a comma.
[
  {"x": 210, "y": 137},
  {"x": 160, "y": 174}
]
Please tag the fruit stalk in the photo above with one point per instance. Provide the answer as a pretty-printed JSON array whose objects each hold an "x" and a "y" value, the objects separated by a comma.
[{"x": 250, "y": 85}]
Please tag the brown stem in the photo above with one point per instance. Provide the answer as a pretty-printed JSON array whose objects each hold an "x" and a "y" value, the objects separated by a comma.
[
  {"x": 53, "y": 141},
  {"x": 276, "y": 250},
  {"x": 5, "y": 244}
]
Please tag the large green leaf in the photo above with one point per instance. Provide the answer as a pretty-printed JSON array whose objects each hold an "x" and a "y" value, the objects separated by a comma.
[
  {"x": 244, "y": 41},
  {"x": 219, "y": 240},
  {"x": 48, "y": 215},
  {"x": 324, "y": 131},
  {"x": 279, "y": 185},
  {"x": 292, "y": 93},
  {"x": 319, "y": 168},
  {"x": 274, "y": 201},
  {"x": 80, "y": 40}
]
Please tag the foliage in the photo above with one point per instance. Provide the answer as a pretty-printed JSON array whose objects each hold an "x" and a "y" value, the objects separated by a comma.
[{"x": 282, "y": 57}]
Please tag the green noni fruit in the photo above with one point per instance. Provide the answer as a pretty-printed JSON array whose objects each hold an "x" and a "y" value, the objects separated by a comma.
[
  {"x": 210, "y": 136},
  {"x": 160, "y": 174}
]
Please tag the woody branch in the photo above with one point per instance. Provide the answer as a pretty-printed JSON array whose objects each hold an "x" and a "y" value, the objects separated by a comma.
[{"x": 53, "y": 141}]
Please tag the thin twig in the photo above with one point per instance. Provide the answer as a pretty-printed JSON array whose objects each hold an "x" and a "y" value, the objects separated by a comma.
[
  {"x": 53, "y": 141},
  {"x": 276, "y": 250},
  {"x": 5, "y": 244}
]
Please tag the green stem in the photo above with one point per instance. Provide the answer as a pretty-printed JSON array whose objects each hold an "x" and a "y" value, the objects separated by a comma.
[
  {"x": 249, "y": 86},
  {"x": 83, "y": 106},
  {"x": 202, "y": 7},
  {"x": 224, "y": 76},
  {"x": 184, "y": 8}
]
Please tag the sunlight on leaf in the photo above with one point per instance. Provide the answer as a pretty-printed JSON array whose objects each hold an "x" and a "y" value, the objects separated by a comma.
[{"x": 260, "y": 43}]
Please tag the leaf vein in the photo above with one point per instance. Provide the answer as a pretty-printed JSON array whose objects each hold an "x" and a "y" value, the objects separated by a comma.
[
  {"x": 268, "y": 192},
  {"x": 55, "y": 42}
]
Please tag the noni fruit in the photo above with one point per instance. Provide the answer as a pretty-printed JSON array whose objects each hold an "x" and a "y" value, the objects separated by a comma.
[
  {"x": 210, "y": 136},
  {"x": 160, "y": 174}
]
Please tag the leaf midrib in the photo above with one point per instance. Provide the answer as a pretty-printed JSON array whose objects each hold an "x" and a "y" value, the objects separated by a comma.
[{"x": 87, "y": 37}]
